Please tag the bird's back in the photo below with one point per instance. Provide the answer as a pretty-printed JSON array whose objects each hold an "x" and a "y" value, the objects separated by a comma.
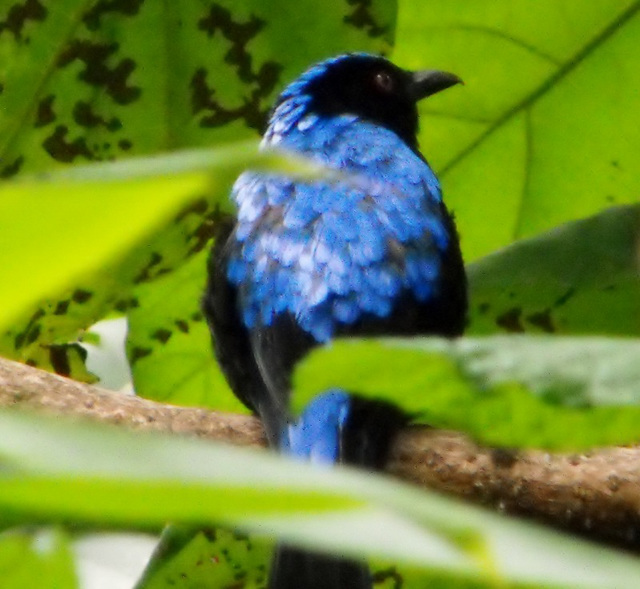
[{"x": 370, "y": 250}]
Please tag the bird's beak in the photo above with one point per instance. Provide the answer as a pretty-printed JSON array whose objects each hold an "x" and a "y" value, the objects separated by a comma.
[{"x": 428, "y": 82}]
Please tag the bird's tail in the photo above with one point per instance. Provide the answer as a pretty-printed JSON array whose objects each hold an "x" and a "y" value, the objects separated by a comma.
[
  {"x": 335, "y": 428},
  {"x": 296, "y": 569}
]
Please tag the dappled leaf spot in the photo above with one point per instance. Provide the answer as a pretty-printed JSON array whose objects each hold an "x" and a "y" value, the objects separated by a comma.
[
  {"x": 92, "y": 18},
  {"x": 18, "y": 15},
  {"x": 543, "y": 320},
  {"x": 86, "y": 117},
  {"x": 363, "y": 17},
  {"x": 510, "y": 320},
  {"x": 45, "y": 113},
  {"x": 13, "y": 168},
  {"x": 96, "y": 72},
  {"x": 137, "y": 353},
  {"x": 60, "y": 148}
]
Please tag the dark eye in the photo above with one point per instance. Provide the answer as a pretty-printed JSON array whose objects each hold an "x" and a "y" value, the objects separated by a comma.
[{"x": 384, "y": 81}]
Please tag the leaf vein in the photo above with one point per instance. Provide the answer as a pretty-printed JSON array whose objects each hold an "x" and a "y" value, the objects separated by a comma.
[{"x": 546, "y": 85}]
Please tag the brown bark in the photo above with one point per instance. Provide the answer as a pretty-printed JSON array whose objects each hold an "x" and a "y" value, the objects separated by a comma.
[{"x": 596, "y": 494}]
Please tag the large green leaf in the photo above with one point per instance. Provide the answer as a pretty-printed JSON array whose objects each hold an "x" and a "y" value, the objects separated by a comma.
[
  {"x": 580, "y": 278},
  {"x": 101, "y": 475},
  {"x": 546, "y": 128},
  {"x": 527, "y": 391},
  {"x": 93, "y": 80}
]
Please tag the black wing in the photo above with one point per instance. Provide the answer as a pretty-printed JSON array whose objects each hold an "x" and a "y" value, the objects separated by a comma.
[{"x": 232, "y": 341}]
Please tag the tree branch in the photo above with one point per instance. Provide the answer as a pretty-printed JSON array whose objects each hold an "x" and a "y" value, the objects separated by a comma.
[{"x": 596, "y": 494}]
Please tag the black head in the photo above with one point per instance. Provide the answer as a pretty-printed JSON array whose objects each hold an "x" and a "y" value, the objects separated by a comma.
[{"x": 372, "y": 88}]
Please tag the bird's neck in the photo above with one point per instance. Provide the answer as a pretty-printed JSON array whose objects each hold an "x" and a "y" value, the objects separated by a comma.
[{"x": 344, "y": 141}]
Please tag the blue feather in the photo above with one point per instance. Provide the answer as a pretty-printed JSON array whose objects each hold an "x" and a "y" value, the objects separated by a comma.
[{"x": 315, "y": 436}]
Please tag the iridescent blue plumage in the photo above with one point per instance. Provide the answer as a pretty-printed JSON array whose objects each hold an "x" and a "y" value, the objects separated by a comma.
[
  {"x": 368, "y": 249},
  {"x": 315, "y": 435},
  {"x": 331, "y": 251}
]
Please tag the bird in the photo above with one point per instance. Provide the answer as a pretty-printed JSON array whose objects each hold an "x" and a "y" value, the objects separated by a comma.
[{"x": 367, "y": 249}]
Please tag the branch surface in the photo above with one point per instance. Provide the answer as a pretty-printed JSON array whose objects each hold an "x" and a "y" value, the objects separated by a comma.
[{"x": 596, "y": 494}]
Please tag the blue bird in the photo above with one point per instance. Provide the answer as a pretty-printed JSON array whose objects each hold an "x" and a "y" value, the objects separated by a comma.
[{"x": 369, "y": 249}]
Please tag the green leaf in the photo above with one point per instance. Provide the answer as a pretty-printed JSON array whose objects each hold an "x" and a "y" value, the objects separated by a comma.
[
  {"x": 102, "y": 80},
  {"x": 29, "y": 559},
  {"x": 73, "y": 206},
  {"x": 580, "y": 278},
  {"x": 527, "y": 391},
  {"x": 123, "y": 223},
  {"x": 169, "y": 342},
  {"x": 545, "y": 130},
  {"x": 101, "y": 475},
  {"x": 212, "y": 557}
]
